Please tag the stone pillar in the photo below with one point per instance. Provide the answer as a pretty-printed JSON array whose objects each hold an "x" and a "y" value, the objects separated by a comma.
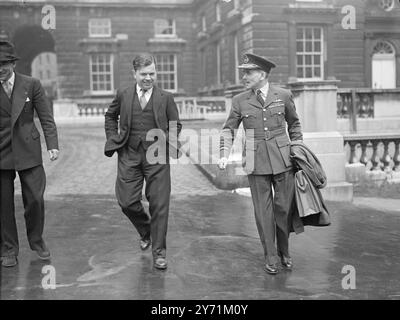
[{"x": 316, "y": 104}]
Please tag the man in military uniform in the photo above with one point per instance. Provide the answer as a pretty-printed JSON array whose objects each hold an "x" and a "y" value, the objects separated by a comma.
[{"x": 265, "y": 111}]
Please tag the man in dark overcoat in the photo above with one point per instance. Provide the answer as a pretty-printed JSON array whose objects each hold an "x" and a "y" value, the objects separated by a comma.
[{"x": 20, "y": 151}]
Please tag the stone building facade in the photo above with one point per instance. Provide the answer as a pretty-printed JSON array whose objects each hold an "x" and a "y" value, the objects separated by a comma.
[{"x": 198, "y": 43}]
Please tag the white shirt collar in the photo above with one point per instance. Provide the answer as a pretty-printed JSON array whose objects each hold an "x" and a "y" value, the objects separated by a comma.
[
  {"x": 264, "y": 90},
  {"x": 148, "y": 93},
  {"x": 11, "y": 80}
]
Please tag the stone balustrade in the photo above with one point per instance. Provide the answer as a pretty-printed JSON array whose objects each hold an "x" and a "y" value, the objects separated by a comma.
[
  {"x": 208, "y": 107},
  {"x": 363, "y": 110},
  {"x": 373, "y": 157},
  {"x": 92, "y": 107}
]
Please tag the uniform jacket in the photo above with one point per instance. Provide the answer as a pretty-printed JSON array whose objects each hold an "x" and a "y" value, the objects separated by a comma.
[
  {"x": 309, "y": 178},
  {"x": 119, "y": 116},
  {"x": 29, "y": 96},
  {"x": 267, "y": 146}
]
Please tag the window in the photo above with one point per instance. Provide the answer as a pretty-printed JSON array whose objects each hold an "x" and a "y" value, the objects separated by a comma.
[
  {"x": 167, "y": 71},
  {"x": 164, "y": 28},
  {"x": 101, "y": 73},
  {"x": 203, "y": 54},
  {"x": 203, "y": 23},
  {"x": 386, "y": 5},
  {"x": 236, "y": 57},
  {"x": 309, "y": 53},
  {"x": 383, "y": 66},
  {"x": 217, "y": 11},
  {"x": 100, "y": 28},
  {"x": 218, "y": 47}
]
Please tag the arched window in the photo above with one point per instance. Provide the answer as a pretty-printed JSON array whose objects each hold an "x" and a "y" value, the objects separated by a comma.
[
  {"x": 44, "y": 67},
  {"x": 386, "y": 5},
  {"x": 383, "y": 66}
]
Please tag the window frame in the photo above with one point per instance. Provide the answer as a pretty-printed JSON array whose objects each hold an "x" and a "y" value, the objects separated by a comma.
[
  {"x": 236, "y": 57},
  {"x": 219, "y": 62},
  {"x": 312, "y": 53},
  {"x": 218, "y": 15},
  {"x": 161, "y": 35},
  {"x": 99, "y": 35},
  {"x": 203, "y": 23},
  {"x": 175, "y": 72},
  {"x": 111, "y": 72}
]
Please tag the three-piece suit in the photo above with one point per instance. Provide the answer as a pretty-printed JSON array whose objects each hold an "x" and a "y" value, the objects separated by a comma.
[{"x": 126, "y": 127}]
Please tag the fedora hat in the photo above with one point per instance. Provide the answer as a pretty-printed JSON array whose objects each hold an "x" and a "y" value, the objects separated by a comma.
[
  {"x": 7, "y": 52},
  {"x": 252, "y": 61}
]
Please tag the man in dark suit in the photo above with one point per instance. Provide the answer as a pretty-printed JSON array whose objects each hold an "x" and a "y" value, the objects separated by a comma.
[
  {"x": 144, "y": 111},
  {"x": 20, "y": 151},
  {"x": 265, "y": 111}
]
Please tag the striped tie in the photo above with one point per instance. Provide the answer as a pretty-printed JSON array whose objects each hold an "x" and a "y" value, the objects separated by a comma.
[
  {"x": 7, "y": 88},
  {"x": 260, "y": 98},
  {"x": 142, "y": 99}
]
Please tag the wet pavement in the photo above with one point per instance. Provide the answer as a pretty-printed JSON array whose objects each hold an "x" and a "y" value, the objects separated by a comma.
[{"x": 213, "y": 248}]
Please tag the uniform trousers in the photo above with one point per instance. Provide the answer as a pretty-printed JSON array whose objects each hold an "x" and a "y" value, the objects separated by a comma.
[{"x": 273, "y": 197}]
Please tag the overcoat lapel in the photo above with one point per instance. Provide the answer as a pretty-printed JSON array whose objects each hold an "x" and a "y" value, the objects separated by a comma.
[
  {"x": 3, "y": 107},
  {"x": 20, "y": 93},
  {"x": 157, "y": 99},
  {"x": 130, "y": 99}
]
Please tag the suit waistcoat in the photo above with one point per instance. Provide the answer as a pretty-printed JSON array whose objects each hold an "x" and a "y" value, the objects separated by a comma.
[
  {"x": 142, "y": 122},
  {"x": 6, "y": 156}
]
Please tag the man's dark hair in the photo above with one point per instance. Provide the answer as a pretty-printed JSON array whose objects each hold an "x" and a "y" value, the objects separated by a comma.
[{"x": 143, "y": 60}]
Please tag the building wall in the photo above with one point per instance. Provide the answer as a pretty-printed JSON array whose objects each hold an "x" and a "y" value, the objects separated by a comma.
[
  {"x": 73, "y": 46},
  {"x": 206, "y": 59},
  {"x": 268, "y": 28}
]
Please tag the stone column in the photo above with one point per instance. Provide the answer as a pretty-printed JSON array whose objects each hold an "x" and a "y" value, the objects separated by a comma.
[{"x": 316, "y": 104}]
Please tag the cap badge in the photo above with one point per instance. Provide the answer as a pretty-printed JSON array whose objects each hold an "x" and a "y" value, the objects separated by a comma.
[{"x": 245, "y": 59}]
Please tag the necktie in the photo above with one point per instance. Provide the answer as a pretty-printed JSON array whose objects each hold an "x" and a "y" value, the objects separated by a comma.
[
  {"x": 260, "y": 98},
  {"x": 142, "y": 99},
  {"x": 7, "y": 89}
]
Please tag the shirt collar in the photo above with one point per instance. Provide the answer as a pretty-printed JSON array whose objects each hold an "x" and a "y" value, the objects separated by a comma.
[
  {"x": 264, "y": 90},
  {"x": 139, "y": 90},
  {"x": 11, "y": 80}
]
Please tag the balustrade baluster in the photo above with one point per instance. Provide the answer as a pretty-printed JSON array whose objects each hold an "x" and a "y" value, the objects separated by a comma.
[
  {"x": 353, "y": 157},
  {"x": 386, "y": 156},
  {"x": 363, "y": 157},
  {"x": 396, "y": 157},
  {"x": 375, "y": 157}
]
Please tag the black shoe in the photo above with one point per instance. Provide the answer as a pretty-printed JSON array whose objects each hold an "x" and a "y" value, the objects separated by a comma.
[
  {"x": 271, "y": 268},
  {"x": 160, "y": 263},
  {"x": 287, "y": 262},
  {"x": 9, "y": 261},
  {"x": 43, "y": 254},
  {"x": 145, "y": 244}
]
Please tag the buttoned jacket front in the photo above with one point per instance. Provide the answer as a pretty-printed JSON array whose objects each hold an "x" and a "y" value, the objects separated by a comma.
[{"x": 268, "y": 130}]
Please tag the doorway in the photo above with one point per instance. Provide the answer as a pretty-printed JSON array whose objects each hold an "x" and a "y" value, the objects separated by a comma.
[{"x": 383, "y": 66}]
